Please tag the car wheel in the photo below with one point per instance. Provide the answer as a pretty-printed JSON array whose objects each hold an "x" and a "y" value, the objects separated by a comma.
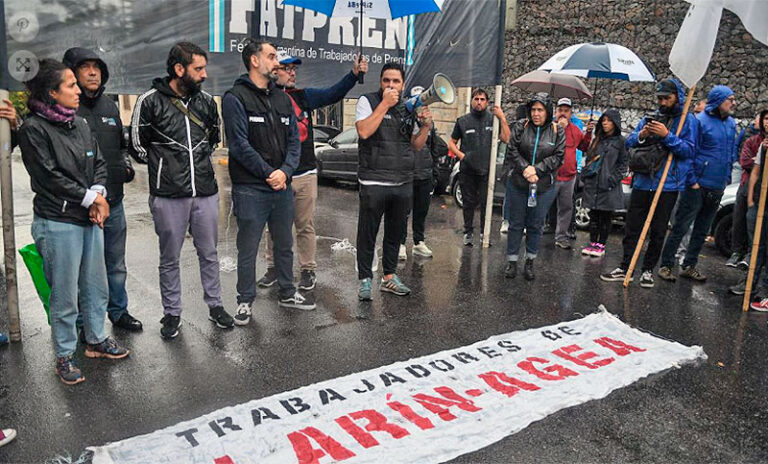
[
  {"x": 457, "y": 194},
  {"x": 723, "y": 231},
  {"x": 582, "y": 215}
]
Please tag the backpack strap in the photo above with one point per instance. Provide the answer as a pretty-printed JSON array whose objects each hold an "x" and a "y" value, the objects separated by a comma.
[{"x": 192, "y": 116}]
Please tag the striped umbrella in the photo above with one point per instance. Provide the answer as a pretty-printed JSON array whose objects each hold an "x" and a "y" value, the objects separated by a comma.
[{"x": 600, "y": 60}]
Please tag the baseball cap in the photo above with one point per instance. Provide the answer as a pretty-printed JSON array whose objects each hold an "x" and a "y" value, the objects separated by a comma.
[
  {"x": 284, "y": 58},
  {"x": 565, "y": 101},
  {"x": 665, "y": 88}
]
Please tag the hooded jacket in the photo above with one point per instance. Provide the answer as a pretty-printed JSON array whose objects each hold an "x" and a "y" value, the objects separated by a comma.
[
  {"x": 540, "y": 146},
  {"x": 103, "y": 117},
  {"x": 682, "y": 147},
  {"x": 603, "y": 191},
  {"x": 716, "y": 144},
  {"x": 64, "y": 162},
  {"x": 175, "y": 148},
  {"x": 573, "y": 138},
  {"x": 750, "y": 150}
]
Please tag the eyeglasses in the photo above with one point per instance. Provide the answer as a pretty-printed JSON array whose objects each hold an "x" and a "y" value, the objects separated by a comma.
[{"x": 288, "y": 69}]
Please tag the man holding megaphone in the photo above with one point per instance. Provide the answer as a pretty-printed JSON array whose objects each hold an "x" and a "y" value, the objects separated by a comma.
[{"x": 389, "y": 135}]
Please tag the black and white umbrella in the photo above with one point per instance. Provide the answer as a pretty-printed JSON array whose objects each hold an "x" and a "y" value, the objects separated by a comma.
[{"x": 600, "y": 60}]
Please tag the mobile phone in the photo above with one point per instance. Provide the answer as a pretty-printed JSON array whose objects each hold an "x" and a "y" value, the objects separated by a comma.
[{"x": 650, "y": 118}]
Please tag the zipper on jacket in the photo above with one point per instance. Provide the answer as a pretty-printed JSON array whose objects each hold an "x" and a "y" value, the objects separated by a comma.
[
  {"x": 159, "y": 173},
  {"x": 64, "y": 207},
  {"x": 191, "y": 157}
]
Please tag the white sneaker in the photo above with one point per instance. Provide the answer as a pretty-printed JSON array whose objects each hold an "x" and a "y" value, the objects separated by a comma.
[
  {"x": 7, "y": 436},
  {"x": 504, "y": 226},
  {"x": 243, "y": 314},
  {"x": 402, "y": 256},
  {"x": 421, "y": 249}
]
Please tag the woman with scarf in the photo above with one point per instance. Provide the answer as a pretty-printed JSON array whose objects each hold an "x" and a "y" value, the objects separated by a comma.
[
  {"x": 536, "y": 150},
  {"x": 602, "y": 175},
  {"x": 67, "y": 174}
]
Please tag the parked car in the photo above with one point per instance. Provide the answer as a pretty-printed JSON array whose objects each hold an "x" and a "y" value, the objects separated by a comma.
[
  {"x": 337, "y": 160},
  {"x": 324, "y": 133},
  {"x": 723, "y": 223}
]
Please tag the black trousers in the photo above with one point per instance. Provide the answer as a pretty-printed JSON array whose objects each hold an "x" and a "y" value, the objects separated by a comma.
[
  {"x": 474, "y": 190},
  {"x": 739, "y": 231},
  {"x": 376, "y": 201},
  {"x": 422, "y": 195},
  {"x": 599, "y": 225},
  {"x": 639, "y": 205}
]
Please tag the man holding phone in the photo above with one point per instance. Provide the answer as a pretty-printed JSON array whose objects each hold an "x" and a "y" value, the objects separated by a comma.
[{"x": 670, "y": 96}]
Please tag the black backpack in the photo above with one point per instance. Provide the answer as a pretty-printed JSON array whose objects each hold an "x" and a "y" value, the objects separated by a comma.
[{"x": 648, "y": 157}]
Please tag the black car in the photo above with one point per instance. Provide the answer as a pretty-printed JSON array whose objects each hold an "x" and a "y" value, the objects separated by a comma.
[
  {"x": 323, "y": 133},
  {"x": 337, "y": 160}
]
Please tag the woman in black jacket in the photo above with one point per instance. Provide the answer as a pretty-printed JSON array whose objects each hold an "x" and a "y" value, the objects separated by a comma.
[
  {"x": 536, "y": 150},
  {"x": 67, "y": 174},
  {"x": 602, "y": 175}
]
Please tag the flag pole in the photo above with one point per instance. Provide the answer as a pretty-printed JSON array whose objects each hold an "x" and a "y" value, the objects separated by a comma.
[
  {"x": 756, "y": 239},
  {"x": 496, "y": 128},
  {"x": 659, "y": 190},
  {"x": 361, "y": 74},
  {"x": 9, "y": 234}
]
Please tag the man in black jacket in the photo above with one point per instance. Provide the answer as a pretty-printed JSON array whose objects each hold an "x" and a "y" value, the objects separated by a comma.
[
  {"x": 424, "y": 177},
  {"x": 174, "y": 129},
  {"x": 304, "y": 179},
  {"x": 103, "y": 117},
  {"x": 388, "y": 137},
  {"x": 475, "y": 131},
  {"x": 264, "y": 151}
]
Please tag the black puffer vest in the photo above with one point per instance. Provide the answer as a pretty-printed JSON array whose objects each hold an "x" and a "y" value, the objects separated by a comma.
[
  {"x": 386, "y": 156},
  {"x": 269, "y": 116}
]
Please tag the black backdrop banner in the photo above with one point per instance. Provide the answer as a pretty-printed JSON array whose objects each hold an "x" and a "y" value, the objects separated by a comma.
[{"x": 134, "y": 36}]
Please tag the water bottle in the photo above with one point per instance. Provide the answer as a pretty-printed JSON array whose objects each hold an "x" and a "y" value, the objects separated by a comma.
[{"x": 532, "y": 195}]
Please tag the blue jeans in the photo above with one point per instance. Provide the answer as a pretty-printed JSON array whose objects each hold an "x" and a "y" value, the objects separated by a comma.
[
  {"x": 73, "y": 262},
  {"x": 115, "y": 231},
  {"x": 255, "y": 208},
  {"x": 522, "y": 217},
  {"x": 699, "y": 207}
]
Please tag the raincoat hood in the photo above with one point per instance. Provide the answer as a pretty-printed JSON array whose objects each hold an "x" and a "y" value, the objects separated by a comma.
[
  {"x": 74, "y": 57},
  {"x": 544, "y": 100},
  {"x": 716, "y": 97},
  {"x": 614, "y": 116}
]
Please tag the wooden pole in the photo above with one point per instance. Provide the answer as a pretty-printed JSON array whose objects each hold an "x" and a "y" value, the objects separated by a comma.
[
  {"x": 9, "y": 233},
  {"x": 756, "y": 239},
  {"x": 657, "y": 194},
  {"x": 492, "y": 174}
]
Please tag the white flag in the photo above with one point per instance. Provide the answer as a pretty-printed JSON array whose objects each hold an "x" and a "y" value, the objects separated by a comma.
[{"x": 695, "y": 42}]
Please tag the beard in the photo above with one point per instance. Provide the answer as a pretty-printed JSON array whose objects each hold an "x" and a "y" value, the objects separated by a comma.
[{"x": 190, "y": 86}]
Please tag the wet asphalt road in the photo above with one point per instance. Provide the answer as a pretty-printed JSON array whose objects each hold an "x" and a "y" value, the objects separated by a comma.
[{"x": 713, "y": 412}]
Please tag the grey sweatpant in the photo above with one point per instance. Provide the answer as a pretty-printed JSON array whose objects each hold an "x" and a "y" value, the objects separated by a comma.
[
  {"x": 173, "y": 217},
  {"x": 564, "y": 192}
]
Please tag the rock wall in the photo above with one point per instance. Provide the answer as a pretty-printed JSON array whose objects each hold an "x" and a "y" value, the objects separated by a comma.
[{"x": 649, "y": 28}]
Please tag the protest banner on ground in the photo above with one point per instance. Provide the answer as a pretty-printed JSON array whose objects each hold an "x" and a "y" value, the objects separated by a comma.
[{"x": 428, "y": 409}]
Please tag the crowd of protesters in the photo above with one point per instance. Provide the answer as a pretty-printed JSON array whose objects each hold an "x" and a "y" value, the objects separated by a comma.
[{"x": 73, "y": 147}]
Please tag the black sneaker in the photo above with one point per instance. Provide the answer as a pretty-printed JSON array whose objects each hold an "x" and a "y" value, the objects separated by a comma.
[
  {"x": 269, "y": 279},
  {"x": 307, "y": 280},
  {"x": 222, "y": 319},
  {"x": 297, "y": 301},
  {"x": 468, "y": 239},
  {"x": 564, "y": 244},
  {"x": 646, "y": 279},
  {"x": 128, "y": 322},
  {"x": 528, "y": 270},
  {"x": 733, "y": 261},
  {"x": 616, "y": 275},
  {"x": 171, "y": 326}
]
